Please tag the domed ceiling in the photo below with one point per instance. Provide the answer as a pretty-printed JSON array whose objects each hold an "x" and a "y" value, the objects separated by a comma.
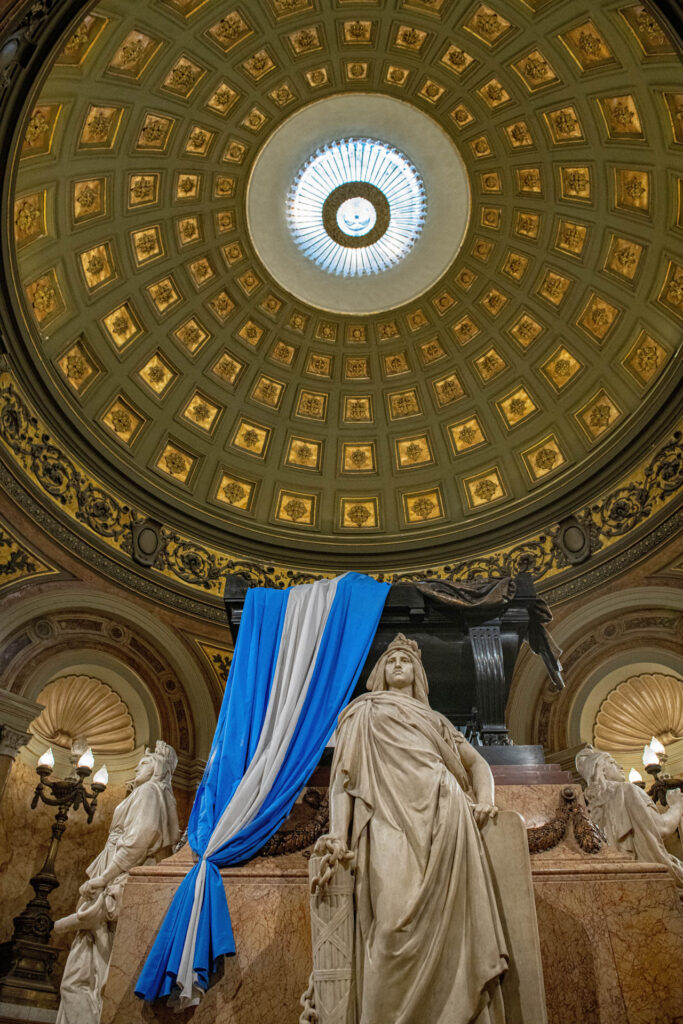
[{"x": 532, "y": 362}]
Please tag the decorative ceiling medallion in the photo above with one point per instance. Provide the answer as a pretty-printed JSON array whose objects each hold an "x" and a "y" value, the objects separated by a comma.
[
  {"x": 40, "y": 130},
  {"x": 312, "y": 405},
  {"x": 359, "y": 513},
  {"x": 484, "y": 488},
  {"x": 252, "y": 438},
  {"x": 202, "y": 413},
  {"x": 81, "y": 42},
  {"x": 525, "y": 330},
  {"x": 598, "y": 415},
  {"x": 176, "y": 462},
  {"x": 89, "y": 199},
  {"x": 356, "y": 207},
  {"x": 422, "y": 506},
  {"x": 133, "y": 55},
  {"x": 466, "y": 434},
  {"x": 647, "y": 30},
  {"x": 122, "y": 326},
  {"x": 588, "y": 46},
  {"x": 645, "y": 359},
  {"x": 228, "y": 368},
  {"x": 359, "y": 408},
  {"x": 30, "y": 218},
  {"x": 544, "y": 458},
  {"x": 79, "y": 366},
  {"x": 296, "y": 508},
  {"x": 235, "y": 491},
  {"x": 411, "y": 452},
  {"x": 516, "y": 407},
  {"x": 358, "y": 457},
  {"x": 45, "y": 298},
  {"x": 304, "y": 453},
  {"x": 123, "y": 420},
  {"x": 632, "y": 189},
  {"x": 561, "y": 368},
  {"x": 143, "y": 189}
]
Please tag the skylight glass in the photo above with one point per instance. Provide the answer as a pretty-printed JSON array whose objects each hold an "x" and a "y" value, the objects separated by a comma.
[{"x": 356, "y": 207}]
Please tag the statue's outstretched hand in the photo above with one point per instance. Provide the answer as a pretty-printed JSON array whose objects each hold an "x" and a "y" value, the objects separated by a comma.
[
  {"x": 333, "y": 851},
  {"x": 482, "y": 813}
]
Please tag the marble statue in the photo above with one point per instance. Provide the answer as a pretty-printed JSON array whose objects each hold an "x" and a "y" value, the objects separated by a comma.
[
  {"x": 408, "y": 795},
  {"x": 143, "y": 829},
  {"x": 626, "y": 814}
]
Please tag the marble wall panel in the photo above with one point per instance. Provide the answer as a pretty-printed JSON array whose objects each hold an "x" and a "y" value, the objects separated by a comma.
[{"x": 262, "y": 984}]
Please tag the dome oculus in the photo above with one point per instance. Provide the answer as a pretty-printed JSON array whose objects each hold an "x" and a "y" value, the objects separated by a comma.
[{"x": 356, "y": 207}]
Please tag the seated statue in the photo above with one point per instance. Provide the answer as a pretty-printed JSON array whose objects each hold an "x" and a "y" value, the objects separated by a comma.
[
  {"x": 143, "y": 829},
  {"x": 408, "y": 795},
  {"x": 626, "y": 814}
]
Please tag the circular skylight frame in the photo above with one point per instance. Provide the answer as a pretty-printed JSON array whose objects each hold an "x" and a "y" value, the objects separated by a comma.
[
  {"x": 372, "y": 115},
  {"x": 374, "y": 173}
]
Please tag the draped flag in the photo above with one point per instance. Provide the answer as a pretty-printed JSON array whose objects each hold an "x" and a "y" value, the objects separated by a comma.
[{"x": 298, "y": 655}]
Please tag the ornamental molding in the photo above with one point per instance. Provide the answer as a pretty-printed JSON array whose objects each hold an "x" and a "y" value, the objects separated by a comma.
[{"x": 644, "y": 498}]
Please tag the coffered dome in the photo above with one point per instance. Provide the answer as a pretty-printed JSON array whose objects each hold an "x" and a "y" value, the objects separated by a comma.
[{"x": 424, "y": 357}]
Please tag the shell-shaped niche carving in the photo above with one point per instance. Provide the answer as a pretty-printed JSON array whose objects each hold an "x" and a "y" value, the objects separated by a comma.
[
  {"x": 639, "y": 708},
  {"x": 84, "y": 706}
]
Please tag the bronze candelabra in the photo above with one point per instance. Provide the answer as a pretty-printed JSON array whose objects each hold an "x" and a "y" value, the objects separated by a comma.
[{"x": 27, "y": 960}]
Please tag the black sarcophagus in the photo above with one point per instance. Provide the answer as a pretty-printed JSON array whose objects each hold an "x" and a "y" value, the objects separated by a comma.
[{"x": 470, "y": 634}]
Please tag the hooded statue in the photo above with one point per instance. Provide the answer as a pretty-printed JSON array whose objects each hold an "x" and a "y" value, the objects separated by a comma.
[
  {"x": 407, "y": 797},
  {"x": 626, "y": 814},
  {"x": 144, "y": 829}
]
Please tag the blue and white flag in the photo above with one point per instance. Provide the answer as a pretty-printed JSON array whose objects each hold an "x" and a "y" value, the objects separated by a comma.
[{"x": 298, "y": 655}]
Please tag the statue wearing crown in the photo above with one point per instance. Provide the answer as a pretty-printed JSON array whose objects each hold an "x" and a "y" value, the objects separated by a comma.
[
  {"x": 144, "y": 829},
  {"x": 408, "y": 795}
]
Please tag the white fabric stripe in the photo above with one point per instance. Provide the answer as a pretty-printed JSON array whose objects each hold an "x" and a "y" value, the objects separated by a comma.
[{"x": 308, "y": 607}]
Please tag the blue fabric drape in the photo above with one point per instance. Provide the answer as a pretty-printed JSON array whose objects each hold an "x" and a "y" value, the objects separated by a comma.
[{"x": 350, "y": 628}]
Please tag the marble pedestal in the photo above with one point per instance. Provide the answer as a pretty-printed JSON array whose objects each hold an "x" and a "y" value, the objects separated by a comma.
[
  {"x": 10, "y": 1013},
  {"x": 611, "y": 934}
]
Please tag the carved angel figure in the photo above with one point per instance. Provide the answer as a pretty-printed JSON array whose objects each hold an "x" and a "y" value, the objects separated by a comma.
[
  {"x": 408, "y": 794},
  {"x": 143, "y": 829}
]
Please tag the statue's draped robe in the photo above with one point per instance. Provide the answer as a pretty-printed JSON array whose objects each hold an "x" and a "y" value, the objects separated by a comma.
[
  {"x": 628, "y": 817},
  {"x": 429, "y": 946},
  {"x": 143, "y": 826}
]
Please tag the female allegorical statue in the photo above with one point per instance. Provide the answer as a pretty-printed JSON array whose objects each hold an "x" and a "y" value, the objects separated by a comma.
[
  {"x": 407, "y": 797},
  {"x": 144, "y": 828}
]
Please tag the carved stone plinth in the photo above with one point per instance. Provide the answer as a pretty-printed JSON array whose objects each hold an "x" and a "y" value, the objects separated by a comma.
[{"x": 611, "y": 933}]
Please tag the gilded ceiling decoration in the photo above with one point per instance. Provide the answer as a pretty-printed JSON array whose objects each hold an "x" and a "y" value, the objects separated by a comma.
[
  {"x": 649, "y": 492},
  {"x": 17, "y": 561},
  {"x": 78, "y": 705},
  {"x": 639, "y": 708},
  {"x": 536, "y": 358}
]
